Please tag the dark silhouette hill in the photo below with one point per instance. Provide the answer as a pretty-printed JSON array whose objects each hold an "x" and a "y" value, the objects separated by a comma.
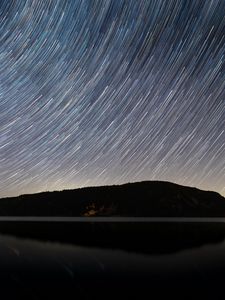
[{"x": 143, "y": 199}]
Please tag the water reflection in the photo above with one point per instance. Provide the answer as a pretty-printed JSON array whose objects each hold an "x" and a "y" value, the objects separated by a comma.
[
  {"x": 140, "y": 237},
  {"x": 120, "y": 260}
]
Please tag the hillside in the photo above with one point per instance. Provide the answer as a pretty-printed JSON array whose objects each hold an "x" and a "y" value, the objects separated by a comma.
[{"x": 146, "y": 199}]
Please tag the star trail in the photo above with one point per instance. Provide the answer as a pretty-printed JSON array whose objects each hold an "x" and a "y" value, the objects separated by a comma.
[{"x": 96, "y": 92}]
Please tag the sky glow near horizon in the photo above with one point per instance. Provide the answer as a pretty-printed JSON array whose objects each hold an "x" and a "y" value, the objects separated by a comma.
[{"x": 96, "y": 92}]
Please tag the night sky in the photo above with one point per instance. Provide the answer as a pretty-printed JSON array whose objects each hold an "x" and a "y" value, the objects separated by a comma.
[{"x": 96, "y": 92}]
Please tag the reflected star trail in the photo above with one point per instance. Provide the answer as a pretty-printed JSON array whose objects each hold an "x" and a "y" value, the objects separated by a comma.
[{"x": 96, "y": 92}]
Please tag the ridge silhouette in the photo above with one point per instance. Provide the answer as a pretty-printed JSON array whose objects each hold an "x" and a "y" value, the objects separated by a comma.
[{"x": 140, "y": 199}]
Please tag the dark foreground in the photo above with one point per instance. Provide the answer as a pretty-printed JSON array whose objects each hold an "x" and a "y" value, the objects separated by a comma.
[{"x": 112, "y": 261}]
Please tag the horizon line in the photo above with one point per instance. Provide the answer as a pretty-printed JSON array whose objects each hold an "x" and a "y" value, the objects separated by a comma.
[
  {"x": 62, "y": 219},
  {"x": 112, "y": 185}
]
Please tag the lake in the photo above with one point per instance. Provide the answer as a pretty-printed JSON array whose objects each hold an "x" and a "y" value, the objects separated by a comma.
[{"x": 109, "y": 260}]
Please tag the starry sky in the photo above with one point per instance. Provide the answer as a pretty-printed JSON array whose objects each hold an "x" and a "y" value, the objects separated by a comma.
[{"x": 96, "y": 92}]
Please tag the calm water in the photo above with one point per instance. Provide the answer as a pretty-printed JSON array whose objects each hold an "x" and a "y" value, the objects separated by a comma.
[
  {"x": 111, "y": 260},
  {"x": 111, "y": 219}
]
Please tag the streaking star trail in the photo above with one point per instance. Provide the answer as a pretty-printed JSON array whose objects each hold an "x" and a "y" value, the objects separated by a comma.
[{"x": 96, "y": 92}]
